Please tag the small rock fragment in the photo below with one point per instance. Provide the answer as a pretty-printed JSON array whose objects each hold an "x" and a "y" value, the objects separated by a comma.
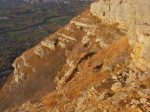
[
  {"x": 132, "y": 77},
  {"x": 116, "y": 87},
  {"x": 143, "y": 100},
  {"x": 136, "y": 102}
]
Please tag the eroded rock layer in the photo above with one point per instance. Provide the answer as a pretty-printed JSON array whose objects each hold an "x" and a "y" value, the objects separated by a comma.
[{"x": 99, "y": 62}]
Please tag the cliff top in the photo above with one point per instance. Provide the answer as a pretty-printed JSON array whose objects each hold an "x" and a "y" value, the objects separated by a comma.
[{"x": 93, "y": 64}]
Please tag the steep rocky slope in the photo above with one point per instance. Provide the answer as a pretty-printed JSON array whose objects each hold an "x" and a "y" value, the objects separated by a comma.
[
  {"x": 20, "y": 29},
  {"x": 97, "y": 63}
]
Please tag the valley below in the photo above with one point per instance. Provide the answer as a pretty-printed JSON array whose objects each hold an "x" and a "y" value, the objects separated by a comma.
[{"x": 24, "y": 24}]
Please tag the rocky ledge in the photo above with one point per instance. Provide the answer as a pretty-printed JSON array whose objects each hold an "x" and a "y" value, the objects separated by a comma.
[{"x": 99, "y": 62}]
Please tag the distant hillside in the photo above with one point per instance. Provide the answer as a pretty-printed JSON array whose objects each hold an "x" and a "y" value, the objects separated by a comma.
[{"x": 23, "y": 25}]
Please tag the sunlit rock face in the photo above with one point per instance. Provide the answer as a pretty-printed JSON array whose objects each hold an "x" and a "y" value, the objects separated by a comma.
[
  {"x": 86, "y": 66},
  {"x": 134, "y": 17}
]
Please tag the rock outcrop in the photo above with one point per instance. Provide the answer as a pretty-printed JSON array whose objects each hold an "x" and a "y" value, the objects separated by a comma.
[
  {"x": 99, "y": 62},
  {"x": 132, "y": 16}
]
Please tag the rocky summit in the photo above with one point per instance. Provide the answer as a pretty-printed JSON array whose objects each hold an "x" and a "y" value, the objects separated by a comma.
[{"x": 99, "y": 62}]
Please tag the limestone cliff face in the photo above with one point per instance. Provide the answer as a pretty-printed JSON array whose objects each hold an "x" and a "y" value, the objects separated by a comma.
[
  {"x": 134, "y": 17},
  {"x": 90, "y": 65}
]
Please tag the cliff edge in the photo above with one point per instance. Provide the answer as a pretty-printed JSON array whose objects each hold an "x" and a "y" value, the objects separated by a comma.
[{"x": 99, "y": 62}]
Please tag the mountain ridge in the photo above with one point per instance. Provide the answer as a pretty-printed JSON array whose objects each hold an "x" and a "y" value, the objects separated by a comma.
[{"x": 93, "y": 64}]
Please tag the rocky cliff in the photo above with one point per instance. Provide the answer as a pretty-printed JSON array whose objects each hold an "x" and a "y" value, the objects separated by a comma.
[
  {"x": 99, "y": 62},
  {"x": 134, "y": 17}
]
